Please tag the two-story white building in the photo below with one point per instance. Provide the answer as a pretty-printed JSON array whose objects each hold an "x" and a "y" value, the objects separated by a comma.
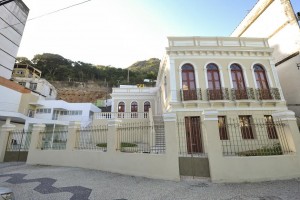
[{"x": 58, "y": 113}]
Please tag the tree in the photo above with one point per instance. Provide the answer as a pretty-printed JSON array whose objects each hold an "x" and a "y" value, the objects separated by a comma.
[
  {"x": 50, "y": 64},
  {"x": 23, "y": 60}
]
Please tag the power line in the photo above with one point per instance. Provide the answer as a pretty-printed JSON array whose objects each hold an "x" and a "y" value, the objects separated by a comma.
[{"x": 43, "y": 15}]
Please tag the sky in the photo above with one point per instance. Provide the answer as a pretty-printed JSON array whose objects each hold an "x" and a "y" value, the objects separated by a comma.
[{"x": 121, "y": 32}]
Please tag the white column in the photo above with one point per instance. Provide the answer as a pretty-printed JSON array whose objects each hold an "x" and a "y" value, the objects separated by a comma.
[
  {"x": 72, "y": 135},
  {"x": 275, "y": 75},
  {"x": 173, "y": 82},
  {"x": 112, "y": 141}
]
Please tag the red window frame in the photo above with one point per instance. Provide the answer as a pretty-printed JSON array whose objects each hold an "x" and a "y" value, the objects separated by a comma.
[
  {"x": 147, "y": 106},
  {"x": 214, "y": 82},
  {"x": 222, "y": 128},
  {"x": 271, "y": 129},
  {"x": 262, "y": 81},
  {"x": 188, "y": 82},
  {"x": 121, "y": 107},
  {"x": 134, "y": 109},
  {"x": 238, "y": 81},
  {"x": 246, "y": 127}
]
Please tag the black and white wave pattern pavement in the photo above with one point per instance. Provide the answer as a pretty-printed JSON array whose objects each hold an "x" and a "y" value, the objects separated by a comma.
[{"x": 46, "y": 186}]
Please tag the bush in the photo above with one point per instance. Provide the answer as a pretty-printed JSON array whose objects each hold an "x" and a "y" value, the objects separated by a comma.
[{"x": 275, "y": 149}]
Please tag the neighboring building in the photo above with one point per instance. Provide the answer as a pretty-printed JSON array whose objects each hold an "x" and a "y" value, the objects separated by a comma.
[
  {"x": 13, "y": 17},
  {"x": 277, "y": 21},
  {"x": 58, "y": 113},
  {"x": 30, "y": 78},
  {"x": 14, "y": 102},
  {"x": 144, "y": 98},
  {"x": 39, "y": 86},
  {"x": 26, "y": 71}
]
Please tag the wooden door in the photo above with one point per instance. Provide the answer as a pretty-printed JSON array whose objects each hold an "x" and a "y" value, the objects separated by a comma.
[{"x": 193, "y": 135}]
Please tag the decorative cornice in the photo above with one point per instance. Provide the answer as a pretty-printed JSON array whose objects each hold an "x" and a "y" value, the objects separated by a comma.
[{"x": 220, "y": 53}]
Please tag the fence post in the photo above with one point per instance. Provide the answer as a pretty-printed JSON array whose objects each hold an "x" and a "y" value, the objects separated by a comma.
[
  {"x": 152, "y": 129},
  {"x": 35, "y": 136},
  {"x": 214, "y": 146},
  {"x": 4, "y": 135},
  {"x": 172, "y": 143},
  {"x": 291, "y": 130},
  {"x": 72, "y": 135},
  {"x": 112, "y": 135},
  {"x": 171, "y": 135}
]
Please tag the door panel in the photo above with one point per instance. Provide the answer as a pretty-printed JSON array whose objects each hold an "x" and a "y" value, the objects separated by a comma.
[{"x": 193, "y": 135}]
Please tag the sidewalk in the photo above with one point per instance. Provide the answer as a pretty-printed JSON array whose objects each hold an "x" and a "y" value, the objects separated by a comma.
[{"x": 60, "y": 183}]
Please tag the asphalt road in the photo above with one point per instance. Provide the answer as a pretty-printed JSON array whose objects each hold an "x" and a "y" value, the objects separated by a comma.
[{"x": 60, "y": 183}]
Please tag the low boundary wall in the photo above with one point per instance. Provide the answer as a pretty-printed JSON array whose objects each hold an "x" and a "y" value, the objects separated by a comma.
[{"x": 136, "y": 164}]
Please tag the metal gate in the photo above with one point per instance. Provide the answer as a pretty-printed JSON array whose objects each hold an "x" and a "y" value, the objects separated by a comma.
[
  {"x": 193, "y": 160},
  {"x": 17, "y": 146}
]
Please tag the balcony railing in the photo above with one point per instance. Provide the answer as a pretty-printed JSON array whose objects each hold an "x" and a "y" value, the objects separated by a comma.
[
  {"x": 189, "y": 95},
  {"x": 221, "y": 94},
  {"x": 124, "y": 115},
  {"x": 268, "y": 94},
  {"x": 235, "y": 94}
]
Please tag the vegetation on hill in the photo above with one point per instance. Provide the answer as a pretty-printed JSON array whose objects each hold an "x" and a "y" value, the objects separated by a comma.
[
  {"x": 149, "y": 67},
  {"x": 55, "y": 67}
]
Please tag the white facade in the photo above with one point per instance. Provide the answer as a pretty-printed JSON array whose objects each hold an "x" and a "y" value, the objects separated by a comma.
[
  {"x": 39, "y": 85},
  {"x": 131, "y": 93},
  {"x": 59, "y": 112},
  {"x": 13, "y": 17}
]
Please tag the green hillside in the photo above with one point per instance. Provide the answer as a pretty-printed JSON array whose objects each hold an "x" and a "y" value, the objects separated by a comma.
[{"x": 55, "y": 67}]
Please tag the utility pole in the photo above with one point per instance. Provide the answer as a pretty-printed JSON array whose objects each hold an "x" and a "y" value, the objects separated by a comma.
[{"x": 5, "y": 2}]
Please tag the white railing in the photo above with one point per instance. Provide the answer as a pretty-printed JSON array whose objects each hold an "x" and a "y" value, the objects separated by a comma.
[
  {"x": 124, "y": 115},
  {"x": 135, "y": 90}
]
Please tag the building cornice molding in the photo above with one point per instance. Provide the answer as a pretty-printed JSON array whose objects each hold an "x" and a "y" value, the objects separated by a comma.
[{"x": 220, "y": 53}]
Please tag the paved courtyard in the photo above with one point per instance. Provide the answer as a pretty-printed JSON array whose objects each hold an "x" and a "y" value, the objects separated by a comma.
[{"x": 60, "y": 183}]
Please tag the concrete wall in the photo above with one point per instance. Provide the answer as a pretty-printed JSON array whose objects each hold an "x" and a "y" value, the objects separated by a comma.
[
  {"x": 259, "y": 168},
  {"x": 160, "y": 166}
]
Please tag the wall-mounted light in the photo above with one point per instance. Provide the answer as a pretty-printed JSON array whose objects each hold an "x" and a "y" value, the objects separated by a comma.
[{"x": 298, "y": 65}]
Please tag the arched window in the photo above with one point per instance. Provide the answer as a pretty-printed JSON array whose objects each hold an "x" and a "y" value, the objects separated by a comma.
[
  {"x": 238, "y": 82},
  {"x": 121, "y": 109},
  {"x": 188, "y": 82},
  {"x": 214, "y": 82},
  {"x": 262, "y": 82},
  {"x": 134, "y": 109},
  {"x": 146, "y": 106}
]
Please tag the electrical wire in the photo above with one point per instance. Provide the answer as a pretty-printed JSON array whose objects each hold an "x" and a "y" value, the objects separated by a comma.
[{"x": 43, "y": 15}]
